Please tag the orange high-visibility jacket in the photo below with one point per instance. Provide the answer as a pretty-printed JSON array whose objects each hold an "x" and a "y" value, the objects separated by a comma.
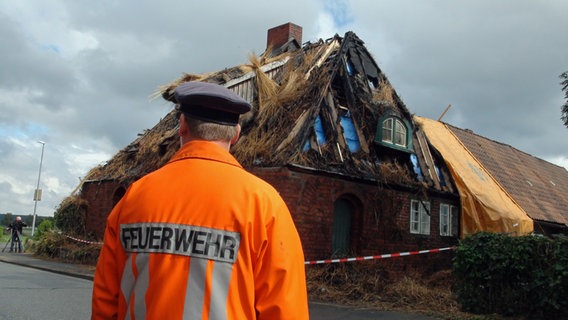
[{"x": 200, "y": 238}]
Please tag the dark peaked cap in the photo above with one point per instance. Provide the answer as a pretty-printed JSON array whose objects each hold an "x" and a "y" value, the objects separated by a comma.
[{"x": 210, "y": 102}]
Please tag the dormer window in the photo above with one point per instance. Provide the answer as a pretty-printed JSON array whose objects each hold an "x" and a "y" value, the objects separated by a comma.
[{"x": 394, "y": 132}]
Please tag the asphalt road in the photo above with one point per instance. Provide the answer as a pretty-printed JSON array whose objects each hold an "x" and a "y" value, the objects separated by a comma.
[
  {"x": 27, "y": 293},
  {"x": 32, "y": 288}
]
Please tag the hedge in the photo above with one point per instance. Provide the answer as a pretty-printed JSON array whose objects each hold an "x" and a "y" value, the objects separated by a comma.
[{"x": 512, "y": 276}]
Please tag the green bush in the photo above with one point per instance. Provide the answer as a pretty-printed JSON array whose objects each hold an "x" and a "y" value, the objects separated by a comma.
[
  {"x": 70, "y": 216},
  {"x": 57, "y": 246},
  {"x": 512, "y": 276},
  {"x": 49, "y": 244},
  {"x": 42, "y": 228}
]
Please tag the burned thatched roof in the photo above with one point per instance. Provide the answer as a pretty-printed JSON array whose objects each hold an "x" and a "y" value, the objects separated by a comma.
[
  {"x": 152, "y": 149},
  {"x": 318, "y": 107}
]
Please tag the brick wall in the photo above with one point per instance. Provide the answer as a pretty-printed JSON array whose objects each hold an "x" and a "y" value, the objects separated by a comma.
[
  {"x": 380, "y": 222},
  {"x": 101, "y": 197}
]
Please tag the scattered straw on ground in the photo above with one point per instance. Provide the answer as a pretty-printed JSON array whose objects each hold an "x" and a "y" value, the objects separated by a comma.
[{"x": 367, "y": 285}]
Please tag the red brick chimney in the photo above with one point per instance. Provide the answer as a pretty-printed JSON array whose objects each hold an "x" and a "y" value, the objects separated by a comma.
[{"x": 278, "y": 36}]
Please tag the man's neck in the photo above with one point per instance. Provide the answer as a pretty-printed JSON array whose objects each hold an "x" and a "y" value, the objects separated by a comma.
[{"x": 223, "y": 144}]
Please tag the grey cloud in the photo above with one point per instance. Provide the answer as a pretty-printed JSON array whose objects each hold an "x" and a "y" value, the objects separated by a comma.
[{"x": 497, "y": 63}]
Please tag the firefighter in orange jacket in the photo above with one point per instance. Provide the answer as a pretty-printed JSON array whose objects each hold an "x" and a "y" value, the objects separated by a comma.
[{"x": 201, "y": 238}]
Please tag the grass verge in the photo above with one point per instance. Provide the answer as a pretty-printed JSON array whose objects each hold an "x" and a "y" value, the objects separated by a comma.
[{"x": 368, "y": 285}]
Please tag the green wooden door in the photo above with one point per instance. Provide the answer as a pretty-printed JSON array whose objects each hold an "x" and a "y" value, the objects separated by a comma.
[{"x": 341, "y": 228}]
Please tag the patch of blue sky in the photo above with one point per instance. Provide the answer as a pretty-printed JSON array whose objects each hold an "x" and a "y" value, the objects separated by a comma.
[
  {"x": 31, "y": 131},
  {"x": 52, "y": 48},
  {"x": 4, "y": 131},
  {"x": 340, "y": 11},
  {"x": 36, "y": 131}
]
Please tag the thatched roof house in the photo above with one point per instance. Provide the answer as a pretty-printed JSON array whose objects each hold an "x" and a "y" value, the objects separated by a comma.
[
  {"x": 360, "y": 174},
  {"x": 329, "y": 131}
]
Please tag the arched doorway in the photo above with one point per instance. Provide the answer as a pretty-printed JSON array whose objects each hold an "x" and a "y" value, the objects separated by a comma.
[
  {"x": 343, "y": 212},
  {"x": 118, "y": 194}
]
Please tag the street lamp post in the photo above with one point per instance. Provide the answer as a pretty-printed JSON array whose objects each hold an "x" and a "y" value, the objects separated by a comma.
[{"x": 37, "y": 193}]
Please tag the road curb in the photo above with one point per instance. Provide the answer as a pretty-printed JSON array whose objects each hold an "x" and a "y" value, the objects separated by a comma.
[{"x": 28, "y": 260}]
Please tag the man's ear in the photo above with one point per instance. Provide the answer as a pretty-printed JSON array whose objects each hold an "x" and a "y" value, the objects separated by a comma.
[
  {"x": 183, "y": 129},
  {"x": 237, "y": 134}
]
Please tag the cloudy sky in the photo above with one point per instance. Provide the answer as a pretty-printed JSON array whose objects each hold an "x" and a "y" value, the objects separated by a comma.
[{"x": 78, "y": 75}]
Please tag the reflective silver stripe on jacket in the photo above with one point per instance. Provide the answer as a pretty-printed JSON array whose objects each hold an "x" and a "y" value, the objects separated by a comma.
[
  {"x": 187, "y": 240},
  {"x": 127, "y": 283},
  {"x": 220, "y": 290},
  {"x": 195, "y": 290},
  {"x": 201, "y": 244},
  {"x": 138, "y": 286},
  {"x": 141, "y": 287}
]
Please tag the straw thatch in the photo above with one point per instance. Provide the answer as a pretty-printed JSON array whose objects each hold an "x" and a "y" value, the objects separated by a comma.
[
  {"x": 149, "y": 151},
  {"x": 288, "y": 93}
]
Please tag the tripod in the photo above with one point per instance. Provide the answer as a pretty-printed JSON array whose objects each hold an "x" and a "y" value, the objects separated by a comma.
[
  {"x": 7, "y": 242},
  {"x": 19, "y": 244}
]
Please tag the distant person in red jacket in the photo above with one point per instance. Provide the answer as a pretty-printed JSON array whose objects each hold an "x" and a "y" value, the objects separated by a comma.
[{"x": 16, "y": 228}]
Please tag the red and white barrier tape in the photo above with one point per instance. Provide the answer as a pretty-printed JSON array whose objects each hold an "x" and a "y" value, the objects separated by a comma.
[
  {"x": 382, "y": 256},
  {"x": 81, "y": 240}
]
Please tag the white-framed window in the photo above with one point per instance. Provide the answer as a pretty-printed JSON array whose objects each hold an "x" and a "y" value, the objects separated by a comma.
[
  {"x": 387, "y": 130},
  {"x": 419, "y": 217},
  {"x": 400, "y": 134},
  {"x": 394, "y": 132},
  {"x": 448, "y": 220}
]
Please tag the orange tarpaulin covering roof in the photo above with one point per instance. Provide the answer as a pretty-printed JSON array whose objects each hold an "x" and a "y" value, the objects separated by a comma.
[{"x": 485, "y": 205}]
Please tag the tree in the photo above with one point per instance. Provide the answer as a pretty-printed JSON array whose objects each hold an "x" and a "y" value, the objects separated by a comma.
[
  {"x": 43, "y": 227},
  {"x": 8, "y": 218},
  {"x": 564, "y": 85},
  {"x": 29, "y": 220}
]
